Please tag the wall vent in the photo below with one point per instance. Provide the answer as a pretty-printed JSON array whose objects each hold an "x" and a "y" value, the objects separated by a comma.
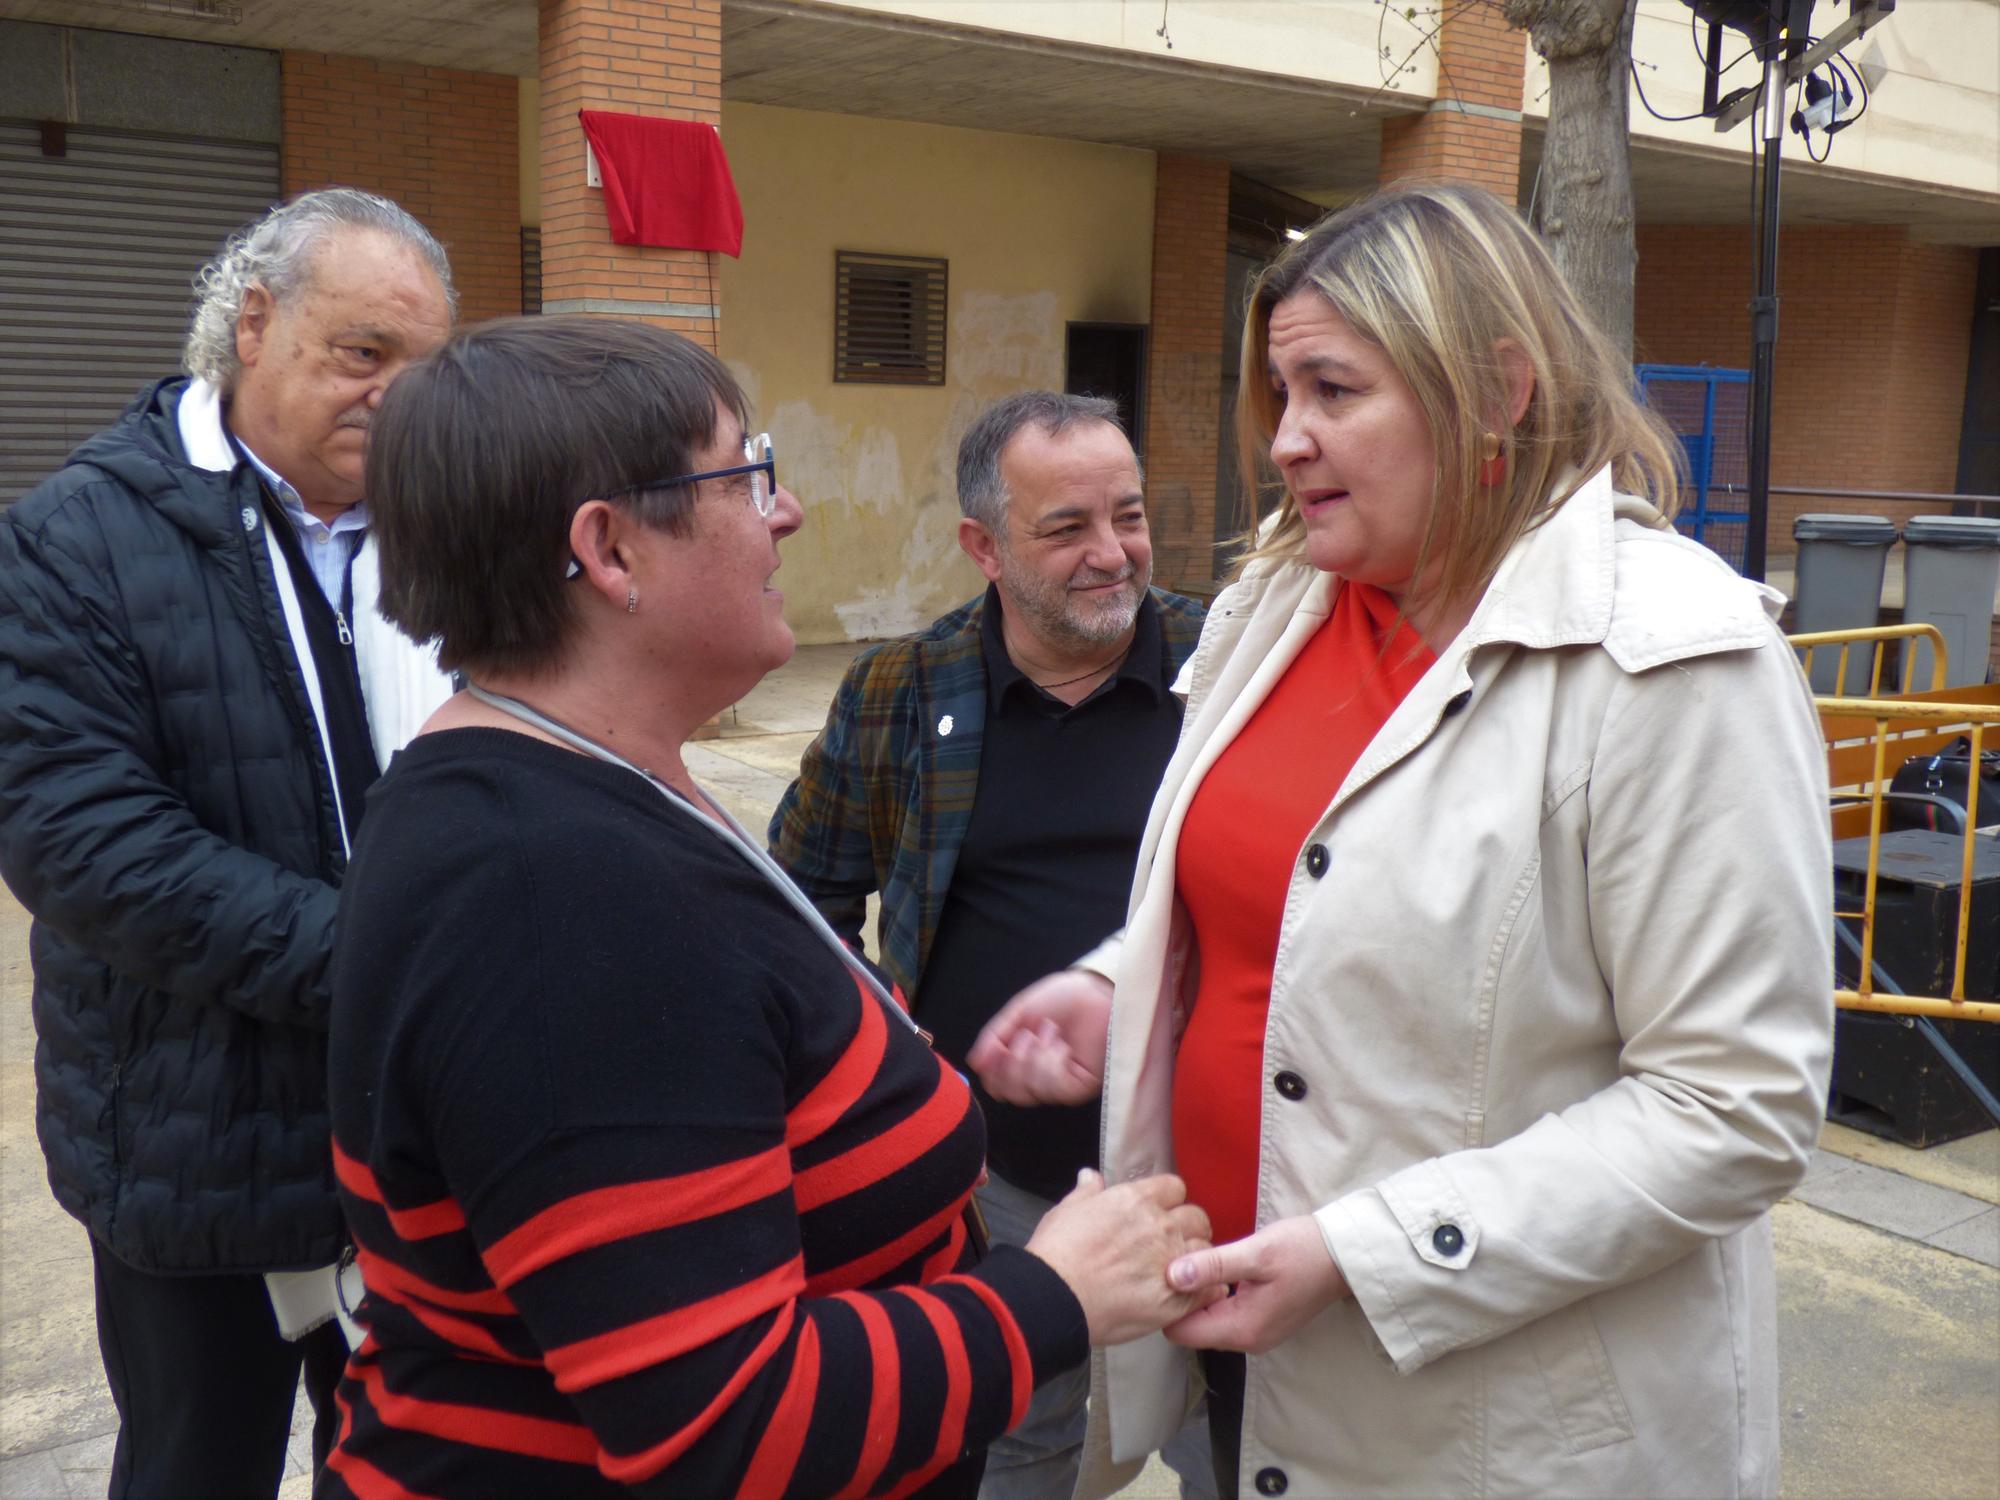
[{"x": 889, "y": 319}]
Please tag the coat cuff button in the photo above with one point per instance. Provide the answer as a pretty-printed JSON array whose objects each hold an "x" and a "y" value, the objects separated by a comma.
[{"x": 1272, "y": 1482}]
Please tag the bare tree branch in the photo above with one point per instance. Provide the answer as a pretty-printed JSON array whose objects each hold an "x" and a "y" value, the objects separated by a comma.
[{"x": 1427, "y": 36}]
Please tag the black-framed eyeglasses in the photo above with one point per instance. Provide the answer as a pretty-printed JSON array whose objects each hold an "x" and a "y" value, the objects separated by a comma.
[{"x": 759, "y": 463}]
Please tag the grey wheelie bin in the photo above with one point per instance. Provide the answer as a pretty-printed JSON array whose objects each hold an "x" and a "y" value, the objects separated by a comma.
[
  {"x": 1841, "y": 558},
  {"x": 1951, "y": 567}
]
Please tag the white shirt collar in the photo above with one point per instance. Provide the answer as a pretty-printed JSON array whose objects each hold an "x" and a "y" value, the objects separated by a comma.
[
  {"x": 202, "y": 434},
  {"x": 207, "y": 444},
  {"x": 280, "y": 486}
]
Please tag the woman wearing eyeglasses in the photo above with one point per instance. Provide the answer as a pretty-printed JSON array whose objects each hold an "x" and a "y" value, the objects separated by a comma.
[{"x": 653, "y": 1187}]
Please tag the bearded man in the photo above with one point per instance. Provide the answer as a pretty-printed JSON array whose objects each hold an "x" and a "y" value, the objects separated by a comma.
[{"x": 990, "y": 776}]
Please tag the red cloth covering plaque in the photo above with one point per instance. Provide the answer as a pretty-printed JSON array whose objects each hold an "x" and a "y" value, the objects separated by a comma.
[{"x": 666, "y": 182}]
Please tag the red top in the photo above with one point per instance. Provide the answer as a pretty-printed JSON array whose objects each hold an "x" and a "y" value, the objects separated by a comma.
[{"x": 1246, "y": 833}]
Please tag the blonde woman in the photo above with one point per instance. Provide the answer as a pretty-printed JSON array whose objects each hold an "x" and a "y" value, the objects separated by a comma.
[{"x": 1476, "y": 977}]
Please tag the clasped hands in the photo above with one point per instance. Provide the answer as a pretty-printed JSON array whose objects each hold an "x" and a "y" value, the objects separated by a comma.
[{"x": 1047, "y": 1046}]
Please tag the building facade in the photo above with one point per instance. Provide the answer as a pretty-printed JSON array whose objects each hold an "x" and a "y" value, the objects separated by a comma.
[{"x": 1009, "y": 192}]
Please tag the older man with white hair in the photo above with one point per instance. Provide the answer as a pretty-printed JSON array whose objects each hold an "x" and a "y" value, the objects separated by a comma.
[{"x": 195, "y": 693}]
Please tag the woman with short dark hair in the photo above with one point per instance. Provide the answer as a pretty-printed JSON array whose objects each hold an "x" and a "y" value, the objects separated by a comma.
[{"x": 654, "y": 1188}]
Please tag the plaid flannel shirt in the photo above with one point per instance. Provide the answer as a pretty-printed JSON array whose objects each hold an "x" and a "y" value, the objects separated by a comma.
[{"x": 884, "y": 793}]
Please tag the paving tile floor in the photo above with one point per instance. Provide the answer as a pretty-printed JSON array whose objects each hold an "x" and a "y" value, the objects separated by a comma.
[
  {"x": 1903, "y": 1205},
  {"x": 81, "y": 1470}
]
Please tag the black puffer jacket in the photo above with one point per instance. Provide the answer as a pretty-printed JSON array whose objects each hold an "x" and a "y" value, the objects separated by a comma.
[{"x": 167, "y": 816}]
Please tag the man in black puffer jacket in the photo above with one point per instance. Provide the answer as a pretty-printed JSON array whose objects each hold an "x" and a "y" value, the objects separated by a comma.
[{"x": 195, "y": 691}]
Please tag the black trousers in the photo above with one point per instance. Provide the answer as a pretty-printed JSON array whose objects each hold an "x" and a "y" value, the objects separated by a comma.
[{"x": 204, "y": 1384}]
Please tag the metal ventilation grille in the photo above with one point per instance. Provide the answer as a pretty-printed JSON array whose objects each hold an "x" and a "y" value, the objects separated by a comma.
[
  {"x": 531, "y": 268},
  {"x": 888, "y": 321}
]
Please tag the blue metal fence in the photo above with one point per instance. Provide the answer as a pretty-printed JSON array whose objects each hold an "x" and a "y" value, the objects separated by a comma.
[{"x": 1709, "y": 410}]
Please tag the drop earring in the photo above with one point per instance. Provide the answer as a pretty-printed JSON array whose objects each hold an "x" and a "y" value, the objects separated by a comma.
[
  {"x": 631, "y": 601},
  {"x": 1492, "y": 467}
]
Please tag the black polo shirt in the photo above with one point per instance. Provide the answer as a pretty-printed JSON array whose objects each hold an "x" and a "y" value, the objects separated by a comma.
[{"x": 1046, "y": 868}]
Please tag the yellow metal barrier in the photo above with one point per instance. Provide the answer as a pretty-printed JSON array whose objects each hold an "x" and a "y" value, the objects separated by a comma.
[
  {"x": 1867, "y": 740},
  {"x": 1876, "y": 637}
]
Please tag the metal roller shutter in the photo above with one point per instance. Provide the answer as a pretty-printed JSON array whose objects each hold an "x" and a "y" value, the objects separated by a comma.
[{"x": 97, "y": 250}]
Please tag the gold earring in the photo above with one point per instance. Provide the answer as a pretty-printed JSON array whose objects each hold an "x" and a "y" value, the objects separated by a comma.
[{"x": 1492, "y": 468}]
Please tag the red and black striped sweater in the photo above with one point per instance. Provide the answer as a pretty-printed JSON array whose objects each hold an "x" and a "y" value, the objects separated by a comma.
[{"x": 649, "y": 1194}]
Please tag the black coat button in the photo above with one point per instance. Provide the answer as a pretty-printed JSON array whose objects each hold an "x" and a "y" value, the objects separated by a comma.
[
  {"x": 1456, "y": 702},
  {"x": 1448, "y": 1239},
  {"x": 1290, "y": 1085},
  {"x": 1272, "y": 1482},
  {"x": 1317, "y": 860}
]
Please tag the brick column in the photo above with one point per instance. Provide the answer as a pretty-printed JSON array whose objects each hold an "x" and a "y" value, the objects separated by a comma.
[
  {"x": 1472, "y": 131},
  {"x": 1184, "y": 364},
  {"x": 646, "y": 57}
]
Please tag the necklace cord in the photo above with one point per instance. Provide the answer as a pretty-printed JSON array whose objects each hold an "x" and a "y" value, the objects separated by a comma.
[{"x": 1111, "y": 666}]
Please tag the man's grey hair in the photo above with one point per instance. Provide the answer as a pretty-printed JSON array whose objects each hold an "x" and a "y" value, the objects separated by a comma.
[
  {"x": 277, "y": 254},
  {"x": 982, "y": 493}
]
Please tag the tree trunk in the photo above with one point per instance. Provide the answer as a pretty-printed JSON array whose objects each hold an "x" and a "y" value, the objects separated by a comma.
[{"x": 1584, "y": 200}]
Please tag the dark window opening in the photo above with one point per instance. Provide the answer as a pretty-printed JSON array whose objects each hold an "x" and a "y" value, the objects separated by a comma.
[
  {"x": 1109, "y": 360},
  {"x": 1979, "y": 434}
]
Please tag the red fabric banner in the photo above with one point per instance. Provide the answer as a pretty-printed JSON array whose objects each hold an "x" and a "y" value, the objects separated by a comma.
[{"x": 666, "y": 182}]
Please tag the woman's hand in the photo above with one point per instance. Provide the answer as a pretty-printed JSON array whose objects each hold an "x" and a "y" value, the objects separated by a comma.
[
  {"x": 1046, "y": 1045},
  {"x": 1113, "y": 1246},
  {"x": 1284, "y": 1278}
]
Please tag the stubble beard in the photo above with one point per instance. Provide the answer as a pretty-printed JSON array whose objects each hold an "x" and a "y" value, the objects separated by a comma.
[{"x": 1063, "y": 618}]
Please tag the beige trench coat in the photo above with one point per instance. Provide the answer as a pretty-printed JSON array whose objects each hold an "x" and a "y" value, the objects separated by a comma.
[{"x": 1560, "y": 999}]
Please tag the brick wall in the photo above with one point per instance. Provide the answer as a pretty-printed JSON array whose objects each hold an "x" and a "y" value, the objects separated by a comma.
[
  {"x": 442, "y": 143},
  {"x": 1480, "y": 62},
  {"x": 1184, "y": 364},
  {"x": 1872, "y": 343},
  {"x": 646, "y": 57}
]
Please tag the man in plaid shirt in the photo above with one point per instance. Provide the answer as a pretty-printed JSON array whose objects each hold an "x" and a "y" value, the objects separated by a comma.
[{"x": 991, "y": 776}]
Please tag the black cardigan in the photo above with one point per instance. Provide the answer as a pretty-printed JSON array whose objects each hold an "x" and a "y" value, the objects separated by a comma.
[{"x": 643, "y": 1183}]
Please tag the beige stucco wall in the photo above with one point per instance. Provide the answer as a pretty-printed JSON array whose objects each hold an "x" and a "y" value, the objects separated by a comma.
[
  {"x": 1335, "y": 41},
  {"x": 1038, "y": 233},
  {"x": 531, "y": 152},
  {"x": 1935, "y": 119}
]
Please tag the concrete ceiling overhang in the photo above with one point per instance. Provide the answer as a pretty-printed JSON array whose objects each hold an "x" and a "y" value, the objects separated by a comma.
[
  {"x": 1315, "y": 140},
  {"x": 1676, "y": 184},
  {"x": 479, "y": 36}
]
